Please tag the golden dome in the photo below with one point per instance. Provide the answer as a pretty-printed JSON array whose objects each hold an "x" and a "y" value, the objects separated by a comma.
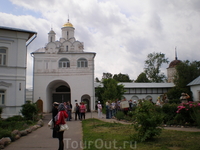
[{"x": 68, "y": 24}]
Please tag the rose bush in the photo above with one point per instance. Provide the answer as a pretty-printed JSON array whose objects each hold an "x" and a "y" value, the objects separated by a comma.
[{"x": 189, "y": 113}]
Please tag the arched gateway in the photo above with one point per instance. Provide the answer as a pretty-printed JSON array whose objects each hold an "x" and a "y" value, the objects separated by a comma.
[
  {"x": 58, "y": 91},
  {"x": 63, "y": 71}
]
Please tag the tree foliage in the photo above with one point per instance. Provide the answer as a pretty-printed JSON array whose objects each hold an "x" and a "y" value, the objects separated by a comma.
[
  {"x": 97, "y": 79},
  {"x": 142, "y": 78},
  {"x": 122, "y": 77},
  {"x": 118, "y": 77},
  {"x": 110, "y": 90},
  {"x": 29, "y": 111},
  {"x": 107, "y": 75},
  {"x": 186, "y": 72},
  {"x": 152, "y": 67},
  {"x": 175, "y": 93}
]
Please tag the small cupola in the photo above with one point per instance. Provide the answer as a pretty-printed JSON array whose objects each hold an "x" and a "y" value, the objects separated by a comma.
[{"x": 52, "y": 36}]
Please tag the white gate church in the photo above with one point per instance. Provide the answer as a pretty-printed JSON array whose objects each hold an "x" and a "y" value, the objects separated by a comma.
[{"x": 63, "y": 71}]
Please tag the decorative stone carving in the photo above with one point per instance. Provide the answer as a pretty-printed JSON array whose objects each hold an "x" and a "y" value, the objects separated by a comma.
[{"x": 2, "y": 83}]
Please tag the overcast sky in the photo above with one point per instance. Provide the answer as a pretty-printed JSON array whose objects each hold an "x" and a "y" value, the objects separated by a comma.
[{"x": 121, "y": 32}]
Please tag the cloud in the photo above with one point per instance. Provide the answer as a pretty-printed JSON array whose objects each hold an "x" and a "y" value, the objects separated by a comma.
[{"x": 122, "y": 33}]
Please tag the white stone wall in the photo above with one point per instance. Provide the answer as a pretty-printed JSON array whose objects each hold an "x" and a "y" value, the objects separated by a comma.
[
  {"x": 196, "y": 92},
  {"x": 48, "y": 76},
  {"x": 171, "y": 72},
  {"x": 14, "y": 73}
]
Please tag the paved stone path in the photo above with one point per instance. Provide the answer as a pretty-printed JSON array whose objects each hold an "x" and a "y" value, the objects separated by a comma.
[{"x": 41, "y": 139}]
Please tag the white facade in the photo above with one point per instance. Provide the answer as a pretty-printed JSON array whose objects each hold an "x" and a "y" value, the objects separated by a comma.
[
  {"x": 196, "y": 92},
  {"x": 136, "y": 91},
  {"x": 195, "y": 88},
  {"x": 63, "y": 71},
  {"x": 13, "y": 46}
]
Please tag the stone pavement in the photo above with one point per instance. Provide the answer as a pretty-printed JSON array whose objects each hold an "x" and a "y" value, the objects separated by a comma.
[{"x": 41, "y": 139}]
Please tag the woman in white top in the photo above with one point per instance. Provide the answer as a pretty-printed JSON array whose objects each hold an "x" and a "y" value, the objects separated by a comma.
[{"x": 99, "y": 106}]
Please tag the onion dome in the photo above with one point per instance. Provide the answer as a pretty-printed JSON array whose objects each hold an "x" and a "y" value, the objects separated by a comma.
[
  {"x": 68, "y": 24},
  {"x": 174, "y": 63},
  {"x": 52, "y": 32}
]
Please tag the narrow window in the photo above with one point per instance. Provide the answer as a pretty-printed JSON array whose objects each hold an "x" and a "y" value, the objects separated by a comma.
[
  {"x": 2, "y": 97},
  {"x": 20, "y": 86},
  {"x": 2, "y": 56},
  {"x": 67, "y": 34},
  {"x": 67, "y": 48}
]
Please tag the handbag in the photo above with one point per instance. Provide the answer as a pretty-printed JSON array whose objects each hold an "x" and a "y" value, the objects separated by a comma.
[
  {"x": 63, "y": 127},
  {"x": 57, "y": 128},
  {"x": 50, "y": 124}
]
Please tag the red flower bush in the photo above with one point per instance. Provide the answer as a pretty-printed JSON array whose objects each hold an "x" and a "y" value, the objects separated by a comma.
[{"x": 191, "y": 110}]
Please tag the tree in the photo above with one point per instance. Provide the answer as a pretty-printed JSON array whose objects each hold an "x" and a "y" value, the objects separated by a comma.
[
  {"x": 97, "y": 79},
  {"x": 106, "y": 75},
  {"x": 142, "y": 78},
  {"x": 29, "y": 111},
  {"x": 152, "y": 67},
  {"x": 122, "y": 77},
  {"x": 186, "y": 72},
  {"x": 110, "y": 90}
]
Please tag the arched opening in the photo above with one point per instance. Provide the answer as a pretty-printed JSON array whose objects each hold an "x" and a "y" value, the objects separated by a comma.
[
  {"x": 57, "y": 91},
  {"x": 39, "y": 104},
  {"x": 87, "y": 100},
  {"x": 148, "y": 97},
  {"x": 135, "y": 98},
  {"x": 62, "y": 94}
]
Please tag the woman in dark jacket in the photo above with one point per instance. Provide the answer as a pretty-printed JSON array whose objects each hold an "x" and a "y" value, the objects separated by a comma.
[
  {"x": 61, "y": 117},
  {"x": 54, "y": 113}
]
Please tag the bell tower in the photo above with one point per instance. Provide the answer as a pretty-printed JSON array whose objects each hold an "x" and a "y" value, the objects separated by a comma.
[{"x": 68, "y": 31}]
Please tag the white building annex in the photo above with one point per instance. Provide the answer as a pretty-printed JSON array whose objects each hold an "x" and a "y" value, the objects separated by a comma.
[
  {"x": 13, "y": 56},
  {"x": 63, "y": 71},
  {"x": 195, "y": 88},
  {"x": 136, "y": 91}
]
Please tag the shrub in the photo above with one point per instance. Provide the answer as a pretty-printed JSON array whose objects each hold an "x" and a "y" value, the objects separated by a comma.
[
  {"x": 185, "y": 113},
  {"x": 120, "y": 115},
  {"x": 169, "y": 111},
  {"x": 15, "y": 118},
  {"x": 29, "y": 111},
  {"x": 189, "y": 113},
  {"x": 147, "y": 120},
  {"x": 129, "y": 116},
  {"x": 176, "y": 101},
  {"x": 4, "y": 133}
]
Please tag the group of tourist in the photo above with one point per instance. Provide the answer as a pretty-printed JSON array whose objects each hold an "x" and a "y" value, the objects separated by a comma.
[
  {"x": 63, "y": 112},
  {"x": 112, "y": 107}
]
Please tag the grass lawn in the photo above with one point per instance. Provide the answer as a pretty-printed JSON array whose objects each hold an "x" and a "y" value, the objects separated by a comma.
[{"x": 115, "y": 136}]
